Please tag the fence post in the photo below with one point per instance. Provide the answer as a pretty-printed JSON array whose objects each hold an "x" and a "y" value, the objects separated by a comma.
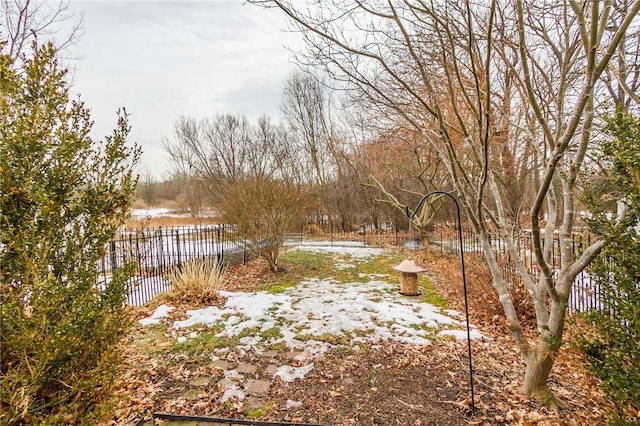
[
  {"x": 112, "y": 254},
  {"x": 364, "y": 234},
  {"x": 244, "y": 248},
  {"x": 331, "y": 231},
  {"x": 223, "y": 237},
  {"x": 161, "y": 259},
  {"x": 129, "y": 250},
  {"x": 178, "y": 248},
  {"x": 138, "y": 254},
  {"x": 217, "y": 244}
]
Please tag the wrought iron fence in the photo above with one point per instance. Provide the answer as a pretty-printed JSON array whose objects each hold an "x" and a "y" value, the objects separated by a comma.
[
  {"x": 585, "y": 293},
  {"x": 380, "y": 234},
  {"x": 157, "y": 251}
]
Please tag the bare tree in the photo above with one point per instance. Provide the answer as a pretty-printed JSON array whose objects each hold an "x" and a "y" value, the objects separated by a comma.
[
  {"x": 622, "y": 76},
  {"x": 22, "y": 20},
  {"x": 402, "y": 169},
  {"x": 250, "y": 171},
  {"x": 305, "y": 107},
  {"x": 476, "y": 81},
  {"x": 279, "y": 154},
  {"x": 147, "y": 187},
  {"x": 192, "y": 193},
  {"x": 226, "y": 149}
]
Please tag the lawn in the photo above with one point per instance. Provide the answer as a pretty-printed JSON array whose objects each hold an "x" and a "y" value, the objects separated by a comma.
[{"x": 327, "y": 340}]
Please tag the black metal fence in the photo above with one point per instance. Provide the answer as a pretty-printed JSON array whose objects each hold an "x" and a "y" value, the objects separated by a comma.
[
  {"x": 157, "y": 251},
  {"x": 585, "y": 294},
  {"x": 386, "y": 233}
]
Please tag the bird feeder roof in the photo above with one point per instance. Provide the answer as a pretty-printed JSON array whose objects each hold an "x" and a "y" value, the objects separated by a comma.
[{"x": 410, "y": 266}]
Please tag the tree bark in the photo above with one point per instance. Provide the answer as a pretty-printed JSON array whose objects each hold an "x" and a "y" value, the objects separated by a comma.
[
  {"x": 540, "y": 360},
  {"x": 539, "y": 364}
]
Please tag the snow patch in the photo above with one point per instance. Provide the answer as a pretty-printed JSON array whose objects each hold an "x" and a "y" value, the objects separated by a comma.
[
  {"x": 355, "y": 252},
  {"x": 233, "y": 394},
  {"x": 161, "y": 311},
  {"x": 366, "y": 312},
  {"x": 207, "y": 316},
  {"x": 288, "y": 373},
  {"x": 292, "y": 404}
]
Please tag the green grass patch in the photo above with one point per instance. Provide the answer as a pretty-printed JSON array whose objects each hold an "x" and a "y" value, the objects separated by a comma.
[
  {"x": 363, "y": 333},
  {"x": 429, "y": 294},
  {"x": 282, "y": 321},
  {"x": 207, "y": 341},
  {"x": 297, "y": 265},
  {"x": 303, "y": 260},
  {"x": 300, "y": 264},
  {"x": 247, "y": 332},
  {"x": 278, "y": 347},
  {"x": 259, "y": 413},
  {"x": 280, "y": 288},
  {"x": 271, "y": 333},
  {"x": 325, "y": 337},
  {"x": 361, "y": 271}
]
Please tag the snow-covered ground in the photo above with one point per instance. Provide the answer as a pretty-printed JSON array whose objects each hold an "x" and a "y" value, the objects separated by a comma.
[
  {"x": 367, "y": 311},
  {"x": 155, "y": 212},
  {"x": 166, "y": 212}
]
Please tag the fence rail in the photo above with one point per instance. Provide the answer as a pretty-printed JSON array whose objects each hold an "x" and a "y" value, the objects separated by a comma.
[{"x": 157, "y": 251}]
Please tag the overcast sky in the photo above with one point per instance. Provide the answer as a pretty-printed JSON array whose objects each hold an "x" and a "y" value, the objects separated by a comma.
[{"x": 163, "y": 59}]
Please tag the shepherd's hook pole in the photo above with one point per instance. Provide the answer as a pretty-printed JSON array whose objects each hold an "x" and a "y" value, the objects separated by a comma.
[{"x": 464, "y": 279}]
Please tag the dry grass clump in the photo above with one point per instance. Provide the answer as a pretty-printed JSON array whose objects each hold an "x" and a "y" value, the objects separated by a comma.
[
  {"x": 199, "y": 281},
  {"x": 314, "y": 229}
]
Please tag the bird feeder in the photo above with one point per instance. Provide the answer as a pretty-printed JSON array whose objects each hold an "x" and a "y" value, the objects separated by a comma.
[{"x": 409, "y": 280}]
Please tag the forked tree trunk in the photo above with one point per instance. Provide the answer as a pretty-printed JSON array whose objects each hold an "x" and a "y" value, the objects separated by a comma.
[
  {"x": 272, "y": 259},
  {"x": 540, "y": 359},
  {"x": 539, "y": 364},
  {"x": 538, "y": 356}
]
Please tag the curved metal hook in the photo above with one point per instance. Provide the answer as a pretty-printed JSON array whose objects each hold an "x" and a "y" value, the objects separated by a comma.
[
  {"x": 424, "y": 198},
  {"x": 464, "y": 279}
]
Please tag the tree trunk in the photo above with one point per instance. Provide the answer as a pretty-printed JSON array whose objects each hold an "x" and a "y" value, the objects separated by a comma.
[
  {"x": 424, "y": 239},
  {"x": 540, "y": 361},
  {"x": 539, "y": 364},
  {"x": 272, "y": 259}
]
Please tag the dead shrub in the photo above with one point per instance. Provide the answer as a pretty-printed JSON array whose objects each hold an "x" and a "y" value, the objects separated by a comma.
[{"x": 199, "y": 281}]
